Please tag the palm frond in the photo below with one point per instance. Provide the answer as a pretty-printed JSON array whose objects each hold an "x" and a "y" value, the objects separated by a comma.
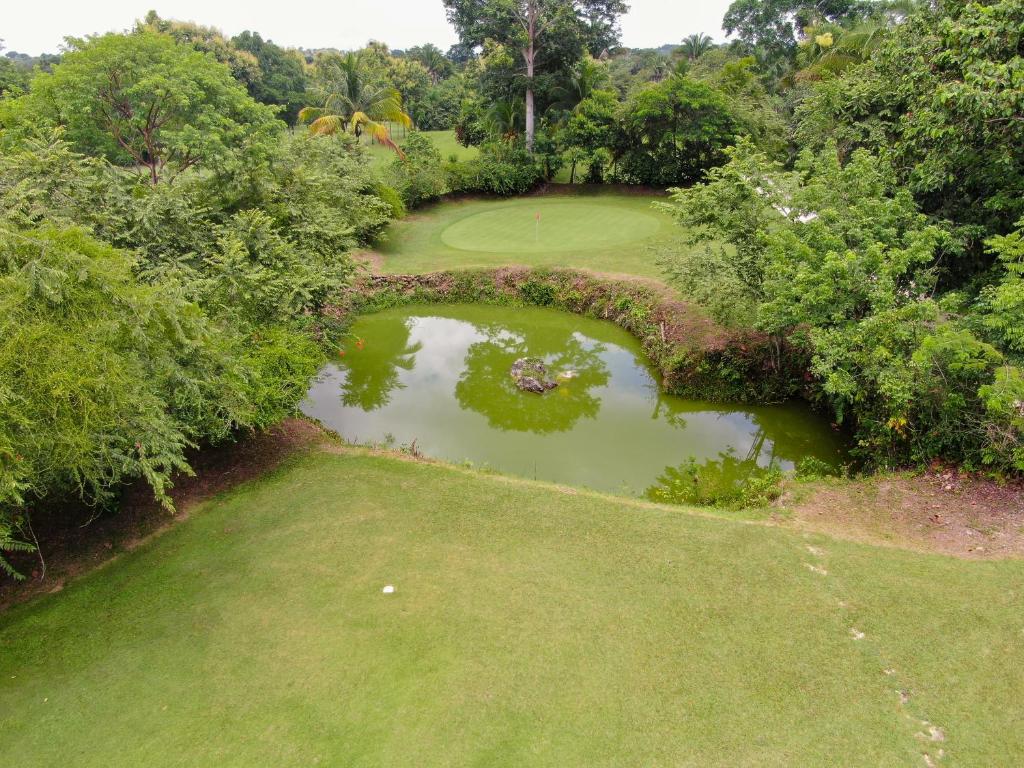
[
  {"x": 308, "y": 114},
  {"x": 327, "y": 125}
]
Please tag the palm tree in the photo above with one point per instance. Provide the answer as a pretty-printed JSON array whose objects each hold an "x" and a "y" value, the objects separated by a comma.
[
  {"x": 587, "y": 76},
  {"x": 828, "y": 48},
  {"x": 505, "y": 118},
  {"x": 696, "y": 45},
  {"x": 352, "y": 103},
  {"x": 433, "y": 60}
]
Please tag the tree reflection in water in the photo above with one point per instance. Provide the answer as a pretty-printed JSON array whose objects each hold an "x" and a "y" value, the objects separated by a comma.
[
  {"x": 370, "y": 384},
  {"x": 487, "y": 388}
]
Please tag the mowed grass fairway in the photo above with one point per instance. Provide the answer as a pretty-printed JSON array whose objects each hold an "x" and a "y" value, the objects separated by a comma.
[
  {"x": 604, "y": 232},
  {"x": 530, "y": 626}
]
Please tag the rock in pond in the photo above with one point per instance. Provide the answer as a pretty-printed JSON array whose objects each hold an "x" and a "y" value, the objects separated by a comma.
[{"x": 531, "y": 375}]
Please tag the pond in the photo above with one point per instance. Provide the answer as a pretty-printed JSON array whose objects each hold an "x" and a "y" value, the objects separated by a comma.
[{"x": 439, "y": 376}]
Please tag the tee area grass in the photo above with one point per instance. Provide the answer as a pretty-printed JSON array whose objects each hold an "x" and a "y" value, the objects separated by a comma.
[
  {"x": 600, "y": 230},
  {"x": 530, "y": 625}
]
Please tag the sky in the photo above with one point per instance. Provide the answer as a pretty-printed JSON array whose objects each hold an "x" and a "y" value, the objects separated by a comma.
[{"x": 39, "y": 27}]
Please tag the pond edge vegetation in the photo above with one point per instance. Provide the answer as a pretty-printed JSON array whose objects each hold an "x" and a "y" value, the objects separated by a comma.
[{"x": 694, "y": 356}]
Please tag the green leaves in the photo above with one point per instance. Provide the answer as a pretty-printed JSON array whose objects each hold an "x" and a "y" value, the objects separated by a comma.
[
  {"x": 672, "y": 132},
  {"x": 145, "y": 102},
  {"x": 837, "y": 258}
]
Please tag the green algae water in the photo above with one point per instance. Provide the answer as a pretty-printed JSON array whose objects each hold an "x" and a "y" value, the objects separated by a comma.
[{"x": 439, "y": 377}]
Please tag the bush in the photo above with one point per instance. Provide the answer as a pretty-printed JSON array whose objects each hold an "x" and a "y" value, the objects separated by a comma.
[
  {"x": 502, "y": 168},
  {"x": 726, "y": 483},
  {"x": 418, "y": 177}
]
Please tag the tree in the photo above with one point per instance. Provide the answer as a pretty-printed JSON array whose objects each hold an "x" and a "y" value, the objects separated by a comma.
[
  {"x": 143, "y": 101},
  {"x": 13, "y": 78},
  {"x": 419, "y": 177},
  {"x": 351, "y": 102},
  {"x": 243, "y": 65},
  {"x": 433, "y": 60},
  {"x": 836, "y": 258},
  {"x": 547, "y": 34},
  {"x": 672, "y": 132},
  {"x": 941, "y": 98},
  {"x": 589, "y": 130},
  {"x": 773, "y": 26},
  {"x": 282, "y": 74},
  {"x": 586, "y": 77},
  {"x": 696, "y": 45}
]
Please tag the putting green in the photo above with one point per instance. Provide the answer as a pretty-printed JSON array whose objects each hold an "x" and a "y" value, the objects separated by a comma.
[
  {"x": 604, "y": 231},
  {"x": 550, "y": 225}
]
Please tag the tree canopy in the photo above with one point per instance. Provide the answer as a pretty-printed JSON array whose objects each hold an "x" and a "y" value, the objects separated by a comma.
[
  {"x": 143, "y": 101},
  {"x": 547, "y": 35}
]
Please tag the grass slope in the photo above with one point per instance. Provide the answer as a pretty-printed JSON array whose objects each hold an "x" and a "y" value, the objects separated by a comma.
[
  {"x": 530, "y": 626},
  {"x": 603, "y": 231}
]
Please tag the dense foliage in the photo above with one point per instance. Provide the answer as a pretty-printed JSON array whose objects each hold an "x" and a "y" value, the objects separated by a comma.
[
  {"x": 837, "y": 258},
  {"x": 165, "y": 246}
]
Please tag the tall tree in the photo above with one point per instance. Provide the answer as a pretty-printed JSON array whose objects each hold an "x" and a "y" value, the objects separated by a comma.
[
  {"x": 773, "y": 26},
  {"x": 243, "y": 65},
  {"x": 548, "y": 34},
  {"x": 696, "y": 45},
  {"x": 433, "y": 60},
  {"x": 282, "y": 75},
  {"x": 147, "y": 102}
]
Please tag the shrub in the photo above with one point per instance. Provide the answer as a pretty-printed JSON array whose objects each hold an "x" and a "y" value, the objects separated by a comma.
[
  {"x": 726, "y": 482},
  {"x": 502, "y": 168},
  {"x": 419, "y": 176}
]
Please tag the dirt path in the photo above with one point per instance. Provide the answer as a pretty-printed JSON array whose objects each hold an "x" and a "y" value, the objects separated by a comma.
[{"x": 939, "y": 511}]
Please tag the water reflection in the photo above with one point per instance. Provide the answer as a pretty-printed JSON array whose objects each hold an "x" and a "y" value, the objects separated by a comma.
[
  {"x": 486, "y": 387},
  {"x": 369, "y": 384},
  {"x": 440, "y": 376}
]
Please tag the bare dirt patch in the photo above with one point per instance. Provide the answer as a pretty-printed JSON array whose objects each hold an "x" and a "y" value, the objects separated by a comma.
[
  {"x": 942, "y": 510},
  {"x": 80, "y": 539},
  {"x": 372, "y": 260}
]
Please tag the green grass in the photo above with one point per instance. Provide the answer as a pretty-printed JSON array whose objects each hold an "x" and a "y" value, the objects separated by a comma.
[
  {"x": 603, "y": 231},
  {"x": 445, "y": 142},
  {"x": 530, "y": 626}
]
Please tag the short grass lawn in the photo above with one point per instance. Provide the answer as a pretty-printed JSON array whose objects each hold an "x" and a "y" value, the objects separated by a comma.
[
  {"x": 529, "y": 625},
  {"x": 601, "y": 231},
  {"x": 445, "y": 142}
]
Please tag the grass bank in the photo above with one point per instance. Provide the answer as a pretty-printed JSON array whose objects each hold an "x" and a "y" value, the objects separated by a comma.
[{"x": 530, "y": 625}]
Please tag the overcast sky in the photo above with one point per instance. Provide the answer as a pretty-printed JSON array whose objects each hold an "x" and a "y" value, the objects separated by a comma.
[{"x": 39, "y": 26}]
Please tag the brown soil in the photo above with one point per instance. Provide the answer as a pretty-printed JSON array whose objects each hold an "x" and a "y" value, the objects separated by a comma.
[
  {"x": 942, "y": 510},
  {"x": 372, "y": 260},
  {"x": 78, "y": 540}
]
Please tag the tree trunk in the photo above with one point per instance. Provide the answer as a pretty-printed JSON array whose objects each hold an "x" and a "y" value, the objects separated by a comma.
[
  {"x": 529, "y": 119},
  {"x": 530, "y": 55}
]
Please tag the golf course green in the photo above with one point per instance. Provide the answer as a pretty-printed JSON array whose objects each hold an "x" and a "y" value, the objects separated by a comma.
[
  {"x": 529, "y": 625},
  {"x": 605, "y": 232}
]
